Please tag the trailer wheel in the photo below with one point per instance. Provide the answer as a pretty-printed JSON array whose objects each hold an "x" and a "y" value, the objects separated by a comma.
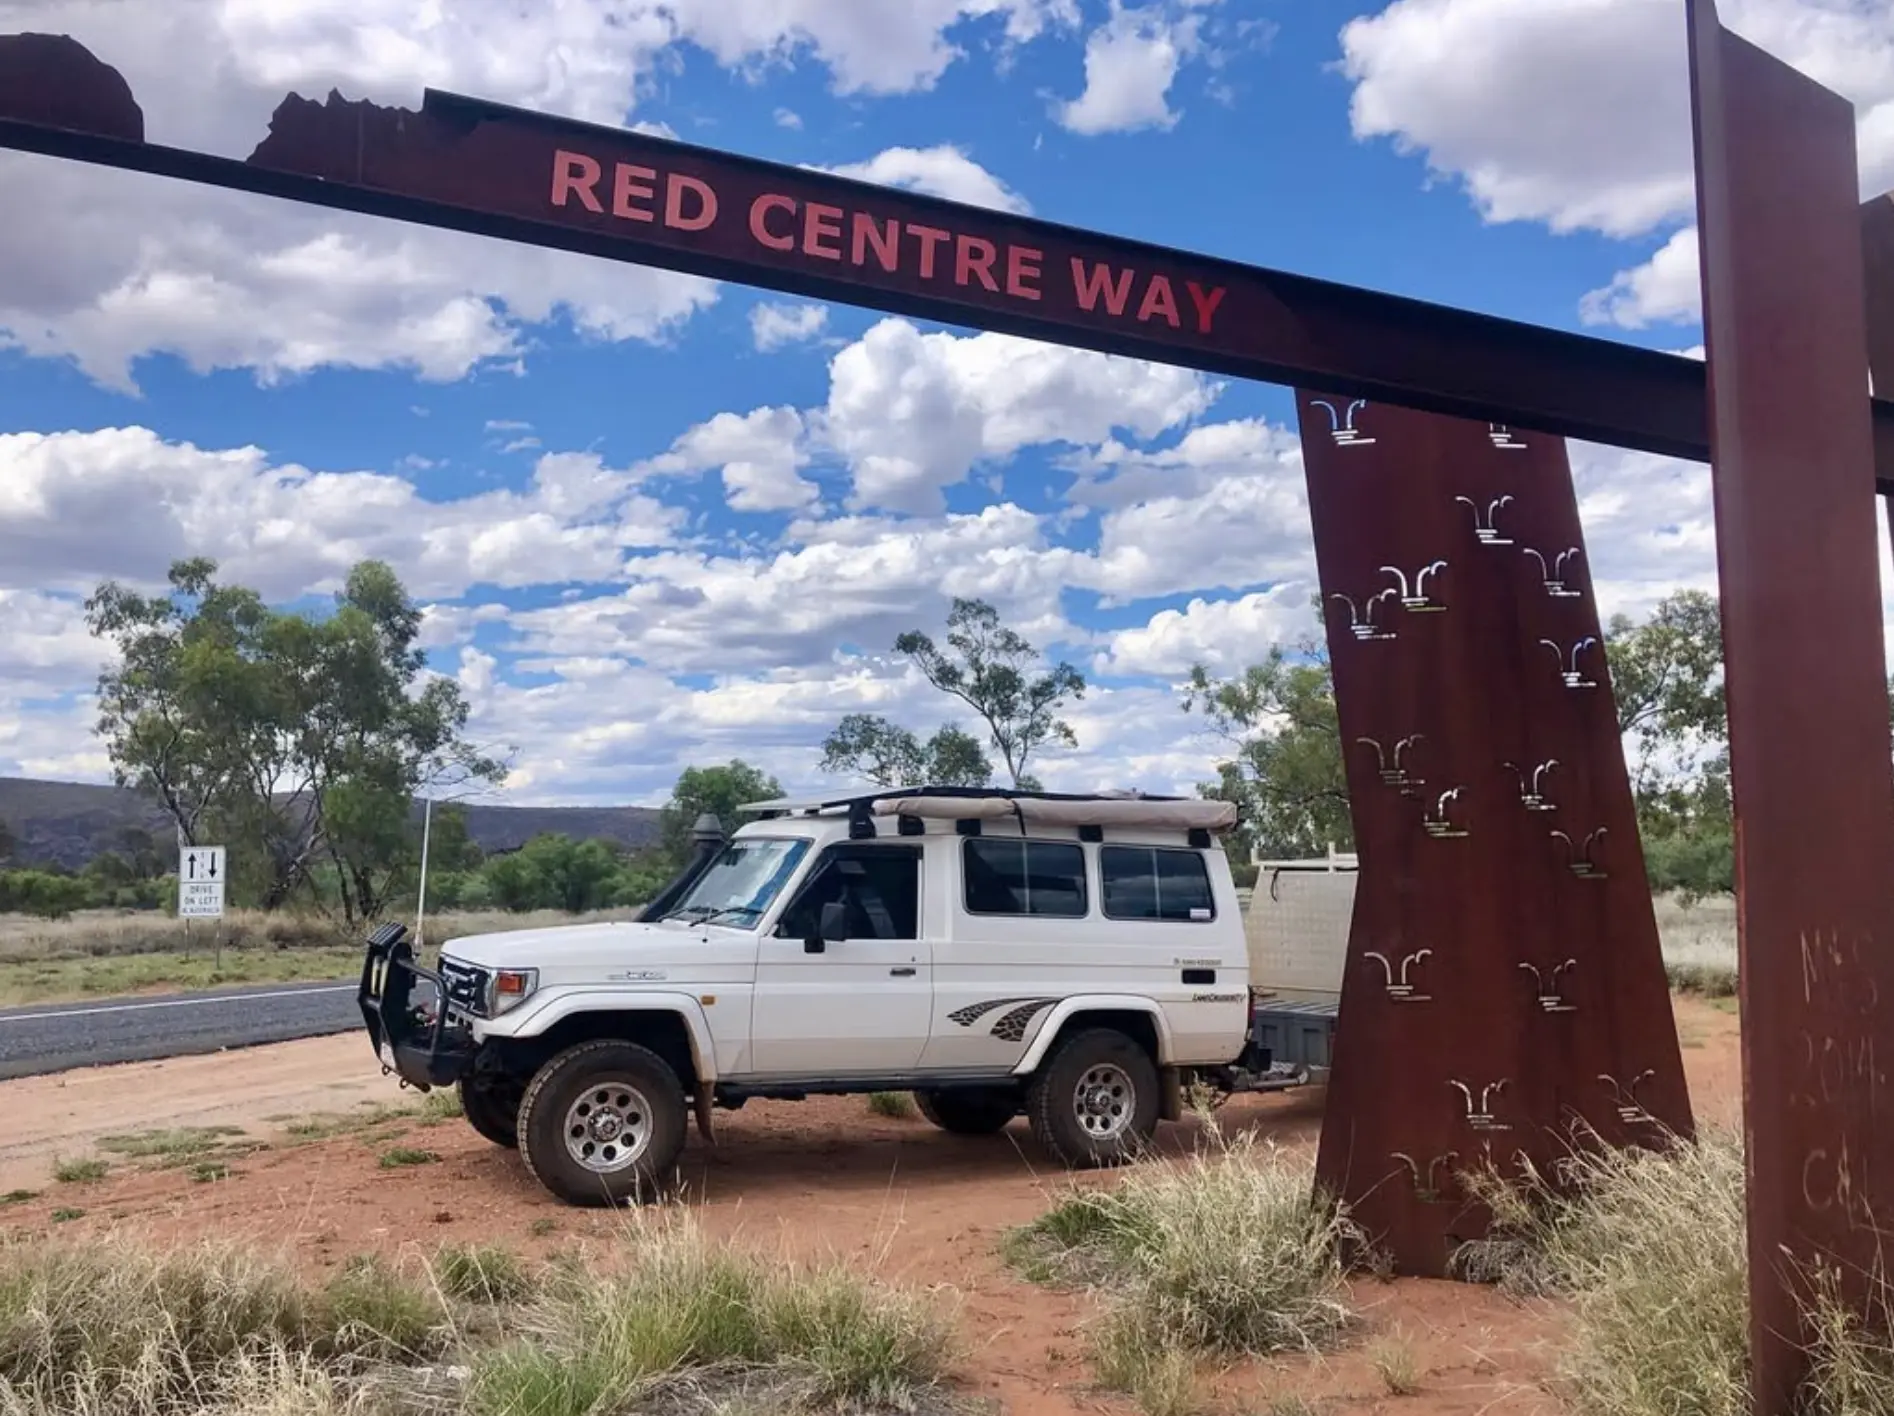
[
  {"x": 603, "y": 1123},
  {"x": 969, "y": 1111},
  {"x": 1095, "y": 1100},
  {"x": 492, "y": 1108}
]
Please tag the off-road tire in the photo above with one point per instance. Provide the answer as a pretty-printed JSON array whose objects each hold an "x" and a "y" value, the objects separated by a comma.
[
  {"x": 1052, "y": 1100},
  {"x": 492, "y": 1109},
  {"x": 563, "y": 1083},
  {"x": 969, "y": 1111}
]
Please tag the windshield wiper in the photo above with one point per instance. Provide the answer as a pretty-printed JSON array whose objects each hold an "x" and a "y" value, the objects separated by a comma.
[
  {"x": 748, "y": 911},
  {"x": 696, "y": 914}
]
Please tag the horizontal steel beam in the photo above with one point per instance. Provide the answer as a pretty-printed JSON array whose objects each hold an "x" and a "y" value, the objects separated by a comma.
[{"x": 468, "y": 165}]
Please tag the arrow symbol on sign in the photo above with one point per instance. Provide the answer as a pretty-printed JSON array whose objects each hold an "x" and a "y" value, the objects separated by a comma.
[{"x": 211, "y": 869}]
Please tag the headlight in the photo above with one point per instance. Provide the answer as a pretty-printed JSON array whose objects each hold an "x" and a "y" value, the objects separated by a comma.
[{"x": 508, "y": 988}]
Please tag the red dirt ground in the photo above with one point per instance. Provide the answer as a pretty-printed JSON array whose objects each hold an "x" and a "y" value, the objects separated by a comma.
[{"x": 816, "y": 1179}]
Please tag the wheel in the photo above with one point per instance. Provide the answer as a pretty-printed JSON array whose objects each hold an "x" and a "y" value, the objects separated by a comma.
[
  {"x": 602, "y": 1123},
  {"x": 1095, "y": 1100},
  {"x": 492, "y": 1108},
  {"x": 969, "y": 1111}
]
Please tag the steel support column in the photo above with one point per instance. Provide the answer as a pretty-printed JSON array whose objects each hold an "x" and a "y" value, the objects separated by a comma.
[{"x": 1793, "y": 474}]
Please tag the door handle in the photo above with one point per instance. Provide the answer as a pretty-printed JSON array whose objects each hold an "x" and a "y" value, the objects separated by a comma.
[{"x": 902, "y": 972}]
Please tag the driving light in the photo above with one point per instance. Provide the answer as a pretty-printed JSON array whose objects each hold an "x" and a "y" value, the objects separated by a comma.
[{"x": 510, "y": 988}]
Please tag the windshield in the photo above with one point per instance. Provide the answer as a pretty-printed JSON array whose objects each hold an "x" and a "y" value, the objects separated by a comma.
[{"x": 741, "y": 882}]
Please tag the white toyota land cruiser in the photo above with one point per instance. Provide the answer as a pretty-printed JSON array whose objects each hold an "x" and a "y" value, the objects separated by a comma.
[{"x": 1078, "y": 959}]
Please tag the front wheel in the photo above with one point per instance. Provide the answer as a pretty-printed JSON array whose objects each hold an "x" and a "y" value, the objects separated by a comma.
[
  {"x": 1095, "y": 1101},
  {"x": 603, "y": 1123},
  {"x": 969, "y": 1111},
  {"x": 493, "y": 1110}
]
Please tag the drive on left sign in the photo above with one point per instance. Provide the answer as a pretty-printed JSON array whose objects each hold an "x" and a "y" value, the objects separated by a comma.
[{"x": 201, "y": 882}]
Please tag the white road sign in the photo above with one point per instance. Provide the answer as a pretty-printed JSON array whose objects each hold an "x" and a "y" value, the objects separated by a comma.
[{"x": 201, "y": 882}]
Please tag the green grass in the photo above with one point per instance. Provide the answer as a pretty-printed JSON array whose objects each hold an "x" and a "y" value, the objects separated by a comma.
[
  {"x": 397, "y": 1157},
  {"x": 1227, "y": 1254},
  {"x": 689, "y": 1311},
  {"x": 18, "y": 1197},
  {"x": 102, "y": 953},
  {"x": 65, "y": 1214},
  {"x": 180, "y": 1143},
  {"x": 80, "y": 1170},
  {"x": 897, "y": 1106}
]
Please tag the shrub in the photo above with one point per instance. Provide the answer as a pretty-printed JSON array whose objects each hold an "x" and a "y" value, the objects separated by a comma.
[
  {"x": 1230, "y": 1253},
  {"x": 686, "y": 1308}
]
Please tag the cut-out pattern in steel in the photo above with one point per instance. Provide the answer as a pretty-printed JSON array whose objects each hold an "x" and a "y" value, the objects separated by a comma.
[
  {"x": 1438, "y": 820},
  {"x": 1569, "y": 671},
  {"x": 1342, "y": 423},
  {"x": 1532, "y": 793},
  {"x": 1486, "y": 524},
  {"x": 1393, "y": 770},
  {"x": 1581, "y": 860},
  {"x": 1545, "y": 987},
  {"x": 1624, "y": 1098},
  {"x": 1414, "y": 598},
  {"x": 1398, "y": 985},
  {"x": 1552, "y": 573},
  {"x": 1361, "y": 617},
  {"x": 1428, "y": 1189},
  {"x": 1480, "y": 1115},
  {"x": 1503, "y": 439}
]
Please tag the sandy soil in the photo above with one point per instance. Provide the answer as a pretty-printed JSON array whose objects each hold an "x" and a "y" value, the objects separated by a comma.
[{"x": 815, "y": 1179}]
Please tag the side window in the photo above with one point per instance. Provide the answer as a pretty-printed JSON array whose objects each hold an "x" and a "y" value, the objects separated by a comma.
[
  {"x": 1024, "y": 877},
  {"x": 879, "y": 886},
  {"x": 1150, "y": 882}
]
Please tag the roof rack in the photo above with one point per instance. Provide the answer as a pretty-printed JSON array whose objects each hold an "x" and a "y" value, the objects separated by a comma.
[{"x": 974, "y": 804}]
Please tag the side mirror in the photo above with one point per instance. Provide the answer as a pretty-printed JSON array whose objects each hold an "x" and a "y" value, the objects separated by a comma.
[{"x": 831, "y": 928}]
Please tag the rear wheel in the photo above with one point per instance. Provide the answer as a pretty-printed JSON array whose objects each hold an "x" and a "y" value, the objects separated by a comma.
[
  {"x": 603, "y": 1123},
  {"x": 969, "y": 1111},
  {"x": 1095, "y": 1100},
  {"x": 492, "y": 1108}
]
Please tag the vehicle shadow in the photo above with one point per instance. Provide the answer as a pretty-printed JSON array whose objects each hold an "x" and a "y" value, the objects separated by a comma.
[{"x": 768, "y": 1164}]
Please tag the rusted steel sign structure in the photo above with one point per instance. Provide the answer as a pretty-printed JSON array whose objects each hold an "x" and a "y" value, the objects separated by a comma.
[{"x": 1504, "y": 983}]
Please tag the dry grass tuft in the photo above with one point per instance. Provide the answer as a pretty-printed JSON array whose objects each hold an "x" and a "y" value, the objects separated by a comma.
[
  {"x": 687, "y": 1314},
  {"x": 1229, "y": 1253}
]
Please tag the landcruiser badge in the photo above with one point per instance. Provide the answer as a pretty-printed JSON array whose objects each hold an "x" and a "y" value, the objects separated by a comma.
[{"x": 639, "y": 976}]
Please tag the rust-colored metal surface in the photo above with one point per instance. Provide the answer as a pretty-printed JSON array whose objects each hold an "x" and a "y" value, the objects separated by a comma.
[
  {"x": 1877, "y": 248},
  {"x": 510, "y": 173},
  {"x": 1793, "y": 475},
  {"x": 1505, "y": 991}
]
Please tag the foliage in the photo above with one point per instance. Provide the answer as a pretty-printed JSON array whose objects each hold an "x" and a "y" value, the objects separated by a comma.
[
  {"x": 877, "y": 750},
  {"x": 1285, "y": 771},
  {"x": 990, "y": 668},
  {"x": 301, "y": 740},
  {"x": 718, "y": 791},
  {"x": 6, "y": 841}
]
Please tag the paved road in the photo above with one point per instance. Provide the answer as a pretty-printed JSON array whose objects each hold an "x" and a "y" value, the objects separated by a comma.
[{"x": 56, "y": 1036}]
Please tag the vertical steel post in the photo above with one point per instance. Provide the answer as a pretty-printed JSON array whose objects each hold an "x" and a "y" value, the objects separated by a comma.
[{"x": 1793, "y": 472}]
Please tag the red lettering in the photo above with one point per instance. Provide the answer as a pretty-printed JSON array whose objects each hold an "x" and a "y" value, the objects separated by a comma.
[
  {"x": 675, "y": 186},
  {"x": 931, "y": 238},
  {"x": 973, "y": 256},
  {"x": 821, "y": 223},
  {"x": 869, "y": 232},
  {"x": 1206, "y": 303},
  {"x": 1090, "y": 284},
  {"x": 1022, "y": 265},
  {"x": 630, "y": 183},
  {"x": 575, "y": 172},
  {"x": 770, "y": 201},
  {"x": 1159, "y": 300}
]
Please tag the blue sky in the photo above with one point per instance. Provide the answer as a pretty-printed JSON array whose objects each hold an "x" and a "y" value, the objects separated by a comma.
[{"x": 659, "y": 520}]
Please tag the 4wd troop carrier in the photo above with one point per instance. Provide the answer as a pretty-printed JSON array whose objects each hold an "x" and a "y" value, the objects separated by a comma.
[{"x": 1078, "y": 959}]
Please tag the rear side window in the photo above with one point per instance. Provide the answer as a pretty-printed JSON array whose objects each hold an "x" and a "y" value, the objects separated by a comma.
[
  {"x": 1150, "y": 882},
  {"x": 1024, "y": 878}
]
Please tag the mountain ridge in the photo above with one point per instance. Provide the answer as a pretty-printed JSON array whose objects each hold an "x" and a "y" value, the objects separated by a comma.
[{"x": 69, "y": 823}]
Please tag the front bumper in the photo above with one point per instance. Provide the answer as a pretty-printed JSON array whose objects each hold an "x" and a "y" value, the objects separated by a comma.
[{"x": 425, "y": 1046}]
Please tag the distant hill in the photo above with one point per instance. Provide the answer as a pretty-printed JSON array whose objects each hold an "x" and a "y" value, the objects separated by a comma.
[{"x": 68, "y": 823}]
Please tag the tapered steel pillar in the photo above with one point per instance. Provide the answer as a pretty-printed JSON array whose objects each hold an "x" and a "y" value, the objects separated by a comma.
[
  {"x": 1877, "y": 243},
  {"x": 1793, "y": 474}
]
